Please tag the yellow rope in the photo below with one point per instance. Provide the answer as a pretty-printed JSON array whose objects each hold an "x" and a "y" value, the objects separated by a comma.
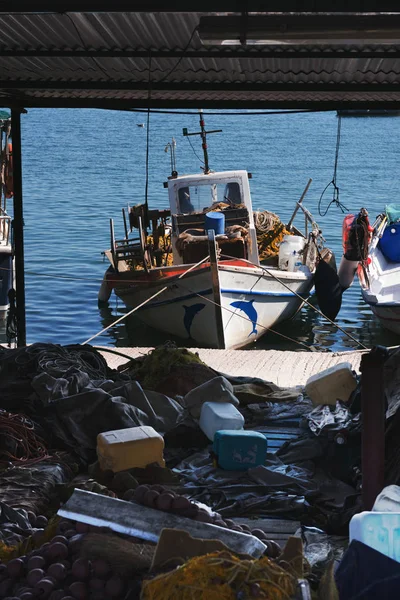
[{"x": 221, "y": 576}]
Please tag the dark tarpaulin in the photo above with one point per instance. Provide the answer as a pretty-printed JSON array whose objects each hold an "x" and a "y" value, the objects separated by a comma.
[
  {"x": 367, "y": 574},
  {"x": 73, "y": 395}
]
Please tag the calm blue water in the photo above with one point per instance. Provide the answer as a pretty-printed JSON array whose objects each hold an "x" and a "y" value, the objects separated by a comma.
[{"x": 82, "y": 166}]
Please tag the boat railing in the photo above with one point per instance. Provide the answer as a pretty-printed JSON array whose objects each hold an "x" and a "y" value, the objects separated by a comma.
[
  {"x": 5, "y": 229},
  {"x": 308, "y": 219},
  {"x": 378, "y": 227}
]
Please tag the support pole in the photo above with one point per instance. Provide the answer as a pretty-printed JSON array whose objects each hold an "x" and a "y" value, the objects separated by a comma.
[
  {"x": 373, "y": 425},
  {"x": 212, "y": 248},
  {"x": 18, "y": 225}
]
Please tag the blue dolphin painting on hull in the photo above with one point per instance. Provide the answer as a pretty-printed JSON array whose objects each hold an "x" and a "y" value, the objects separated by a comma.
[
  {"x": 247, "y": 307},
  {"x": 190, "y": 313}
]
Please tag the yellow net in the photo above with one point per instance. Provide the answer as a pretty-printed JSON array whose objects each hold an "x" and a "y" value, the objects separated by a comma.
[
  {"x": 222, "y": 576},
  {"x": 270, "y": 233},
  {"x": 167, "y": 258},
  {"x": 22, "y": 548}
]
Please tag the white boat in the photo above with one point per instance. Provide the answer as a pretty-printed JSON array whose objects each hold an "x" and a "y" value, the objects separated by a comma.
[
  {"x": 379, "y": 275},
  {"x": 206, "y": 283}
]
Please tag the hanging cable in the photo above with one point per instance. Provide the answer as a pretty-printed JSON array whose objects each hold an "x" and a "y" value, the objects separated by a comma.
[
  {"x": 194, "y": 151},
  {"x": 146, "y": 187},
  {"x": 335, "y": 197},
  {"x": 180, "y": 59},
  {"x": 226, "y": 113}
]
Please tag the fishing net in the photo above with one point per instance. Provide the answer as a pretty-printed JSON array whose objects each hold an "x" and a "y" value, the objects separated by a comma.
[
  {"x": 270, "y": 232},
  {"x": 156, "y": 366},
  {"x": 222, "y": 576},
  {"x": 393, "y": 213}
]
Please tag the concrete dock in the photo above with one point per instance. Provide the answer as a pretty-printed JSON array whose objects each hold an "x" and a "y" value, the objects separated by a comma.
[{"x": 282, "y": 367}]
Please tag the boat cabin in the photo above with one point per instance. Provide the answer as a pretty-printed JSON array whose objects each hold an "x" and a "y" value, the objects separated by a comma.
[{"x": 193, "y": 197}]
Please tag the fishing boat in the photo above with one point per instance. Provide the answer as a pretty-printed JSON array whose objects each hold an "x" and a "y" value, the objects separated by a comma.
[
  {"x": 6, "y": 193},
  {"x": 209, "y": 270},
  {"x": 379, "y": 274}
]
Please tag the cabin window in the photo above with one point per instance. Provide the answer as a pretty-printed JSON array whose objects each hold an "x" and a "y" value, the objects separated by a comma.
[{"x": 196, "y": 198}]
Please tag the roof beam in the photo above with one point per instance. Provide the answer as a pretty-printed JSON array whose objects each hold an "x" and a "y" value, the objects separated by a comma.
[
  {"x": 199, "y": 86},
  {"x": 128, "y": 105},
  {"x": 98, "y": 6},
  {"x": 217, "y": 52}
]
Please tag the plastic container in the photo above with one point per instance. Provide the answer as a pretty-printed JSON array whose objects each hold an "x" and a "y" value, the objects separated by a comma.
[
  {"x": 215, "y": 220},
  {"x": 295, "y": 261},
  {"x": 215, "y": 416},
  {"x": 390, "y": 242},
  {"x": 218, "y": 389},
  {"x": 124, "y": 449},
  {"x": 378, "y": 530},
  {"x": 240, "y": 450},
  {"x": 331, "y": 385},
  {"x": 289, "y": 245}
]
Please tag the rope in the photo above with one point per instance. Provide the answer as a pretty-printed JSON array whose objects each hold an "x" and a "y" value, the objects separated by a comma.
[
  {"x": 166, "y": 287},
  {"x": 17, "y": 431},
  {"x": 306, "y": 301},
  {"x": 335, "y": 197},
  {"x": 310, "y": 348}
]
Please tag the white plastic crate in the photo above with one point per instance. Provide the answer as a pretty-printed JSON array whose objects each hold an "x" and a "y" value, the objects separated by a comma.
[{"x": 378, "y": 530}]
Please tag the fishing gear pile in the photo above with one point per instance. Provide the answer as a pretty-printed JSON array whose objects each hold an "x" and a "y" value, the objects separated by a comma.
[
  {"x": 222, "y": 576},
  {"x": 270, "y": 233},
  {"x": 19, "y": 444}
]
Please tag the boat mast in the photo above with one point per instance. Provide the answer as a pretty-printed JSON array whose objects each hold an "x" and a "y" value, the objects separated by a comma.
[{"x": 203, "y": 133}]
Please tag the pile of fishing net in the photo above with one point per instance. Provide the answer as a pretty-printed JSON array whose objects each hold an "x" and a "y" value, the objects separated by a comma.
[
  {"x": 222, "y": 576},
  {"x": 270, "y": 232},
  {"x": 155, "y": 367}
]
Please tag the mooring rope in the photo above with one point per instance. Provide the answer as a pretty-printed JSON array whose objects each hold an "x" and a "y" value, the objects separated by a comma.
[
  {"x": 166, "y": 287},
  {"x": 306, "y": 301},
  {"x": 310, "y": 348}
]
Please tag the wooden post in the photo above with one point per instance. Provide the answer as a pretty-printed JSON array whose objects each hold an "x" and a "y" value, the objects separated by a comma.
[
  {"x": 18, "y": 225},
  {"x": 212, "y": 248},
  {"x": 373, "y": 425}
]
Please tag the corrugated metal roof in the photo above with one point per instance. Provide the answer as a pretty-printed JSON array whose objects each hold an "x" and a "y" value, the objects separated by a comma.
[{"x": 54, "y": 56}]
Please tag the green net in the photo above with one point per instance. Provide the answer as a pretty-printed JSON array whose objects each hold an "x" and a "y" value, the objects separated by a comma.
[{"x": 393, "y": 213}]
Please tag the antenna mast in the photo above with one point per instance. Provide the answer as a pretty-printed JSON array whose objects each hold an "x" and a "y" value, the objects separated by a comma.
[{"x": 203, "y": 133}]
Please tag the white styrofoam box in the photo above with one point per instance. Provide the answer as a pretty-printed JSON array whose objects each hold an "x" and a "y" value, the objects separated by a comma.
[
  {"x": 215, "y": 416},
  {"x": 331, "y": 385},
  {"x": 378, "y": 530}
]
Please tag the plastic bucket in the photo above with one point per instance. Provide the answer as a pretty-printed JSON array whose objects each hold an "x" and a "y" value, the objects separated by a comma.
[
  {"x": 216, "y": 221},
  {"x": 390, "y": 242}
]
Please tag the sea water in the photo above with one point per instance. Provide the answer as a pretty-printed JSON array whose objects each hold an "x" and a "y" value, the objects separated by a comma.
[{"x": 80, "y": 167}]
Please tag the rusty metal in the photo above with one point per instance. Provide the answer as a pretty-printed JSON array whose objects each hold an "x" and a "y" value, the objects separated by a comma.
[
  {"x": 147, "y": 523},
  {"x": 373, "y": 425}
]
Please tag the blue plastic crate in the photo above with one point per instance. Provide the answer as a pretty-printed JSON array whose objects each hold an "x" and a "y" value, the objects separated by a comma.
[{"x": 239, "y": 450}]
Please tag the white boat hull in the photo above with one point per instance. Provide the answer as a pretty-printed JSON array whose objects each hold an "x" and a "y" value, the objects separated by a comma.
[
  {"x": 381, "y": 289},
  {"x": 389, "y": 317},
  {"x": 250, "y": 303}
]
